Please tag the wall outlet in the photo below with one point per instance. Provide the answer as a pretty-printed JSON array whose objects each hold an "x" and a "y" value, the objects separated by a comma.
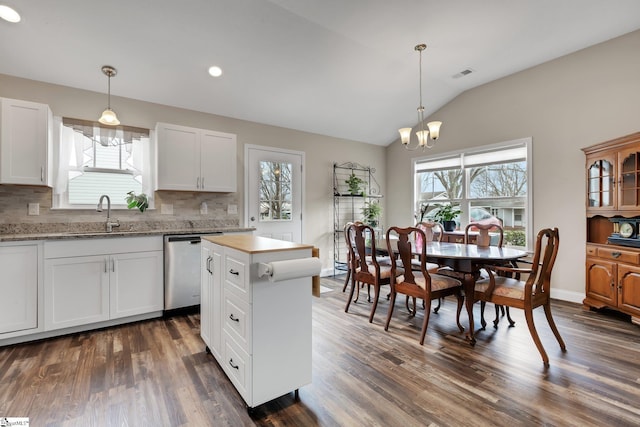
[
  {"x": 166, "y": 209},
  {"x": 34, "y": 209},
  {"x": 203, "y": 208},
  {"x": 232, "y": 209}
]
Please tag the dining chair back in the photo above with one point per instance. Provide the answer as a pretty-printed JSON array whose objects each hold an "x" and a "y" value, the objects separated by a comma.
[
  {"x": 417, "y": 283},
  {"x": 528, "y": 294},
  {"x": 367, "y": 267},
  {"x": 484, "y": 238}
]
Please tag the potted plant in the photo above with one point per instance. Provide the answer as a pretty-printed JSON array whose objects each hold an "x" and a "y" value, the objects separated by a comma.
[
  {"x": 354, "y": 182},
  {"x": 446, "y": 215},
  {"x": 371, "y": 212},
  {"x": 139, "y": 201}
]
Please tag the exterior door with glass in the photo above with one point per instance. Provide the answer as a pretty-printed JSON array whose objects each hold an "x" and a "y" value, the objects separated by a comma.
[{"x": 273, "y": 192}]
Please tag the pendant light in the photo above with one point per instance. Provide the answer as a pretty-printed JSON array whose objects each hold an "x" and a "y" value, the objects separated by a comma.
[
  {"x": 109, "y": 116},
  {"x": 433, "y": 128}
]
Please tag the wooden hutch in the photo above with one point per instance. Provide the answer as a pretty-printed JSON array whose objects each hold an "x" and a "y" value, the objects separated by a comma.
[{"x": 613, "y": 225}]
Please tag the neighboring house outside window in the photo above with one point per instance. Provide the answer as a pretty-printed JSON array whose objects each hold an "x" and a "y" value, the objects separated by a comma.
[
  {"x": 491, "y": 184},
  {"x": 95, "y": 159}
]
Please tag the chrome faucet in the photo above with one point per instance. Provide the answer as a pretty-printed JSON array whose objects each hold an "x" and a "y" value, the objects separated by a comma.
[{"x": 110, "y": 224}]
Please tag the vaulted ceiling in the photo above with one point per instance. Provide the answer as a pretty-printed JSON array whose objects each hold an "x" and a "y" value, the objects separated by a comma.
[{"x": 344, "y": 68}]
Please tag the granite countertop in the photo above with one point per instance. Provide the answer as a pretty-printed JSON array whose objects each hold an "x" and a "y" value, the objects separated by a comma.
[{"x": 96, "y": 230}]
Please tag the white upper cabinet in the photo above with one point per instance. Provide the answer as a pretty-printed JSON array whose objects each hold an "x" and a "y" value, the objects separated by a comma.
[
  {"x": 191, "y": 159},
  {"x": 25, "y": 142}
]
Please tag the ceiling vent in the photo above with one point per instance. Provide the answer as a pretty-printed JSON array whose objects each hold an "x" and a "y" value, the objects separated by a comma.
[{"x": 463, "y": 73}]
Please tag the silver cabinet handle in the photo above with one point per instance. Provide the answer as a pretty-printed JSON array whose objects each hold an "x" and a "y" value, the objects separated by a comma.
[
  {"x": 202, "y": 183},
  {"x": 106, "y": 260},
  {"x": 41, "y": 173},
  {"x": 113, "y": 265},
  {"x": 198, "y": 182}
]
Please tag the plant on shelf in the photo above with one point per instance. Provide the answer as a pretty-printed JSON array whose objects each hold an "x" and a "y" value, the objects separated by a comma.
[
  {"x": 371, "y": 212},
  {"x": 354, "y": 182},
  {"x": 139, "y": 201},
  {"x": 446, "y": 215}
]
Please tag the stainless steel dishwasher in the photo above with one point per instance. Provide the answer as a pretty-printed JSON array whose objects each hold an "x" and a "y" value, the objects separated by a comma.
[{"x": 182, "y": 270}]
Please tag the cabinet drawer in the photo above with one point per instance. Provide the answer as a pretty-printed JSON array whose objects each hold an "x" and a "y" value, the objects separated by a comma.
[
  {"x": 619, "y": 255},
  {"x": 235, "y": 273},
  {"x": 237, "y": 320},
  {"x": 237, "y": 364}
]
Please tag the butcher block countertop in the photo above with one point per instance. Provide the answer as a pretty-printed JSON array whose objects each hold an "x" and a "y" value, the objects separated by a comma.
[{"x": 255, "y": 244}]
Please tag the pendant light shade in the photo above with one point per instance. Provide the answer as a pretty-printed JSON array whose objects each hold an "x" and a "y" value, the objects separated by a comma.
[
  {"x": 432, "y": 132},
  {"x": 109, "y": 116}
]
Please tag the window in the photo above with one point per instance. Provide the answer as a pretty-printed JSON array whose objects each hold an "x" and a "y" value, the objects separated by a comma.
[
  {"x": 491, "y": 184},
  {"x": 94, "y": 160},
  {"x": 275, "y": 191}
]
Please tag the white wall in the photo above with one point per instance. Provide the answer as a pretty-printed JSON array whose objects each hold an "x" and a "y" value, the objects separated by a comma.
[
  {"x": 566, "y": 104},
  {"x": 321, "y": 151}
]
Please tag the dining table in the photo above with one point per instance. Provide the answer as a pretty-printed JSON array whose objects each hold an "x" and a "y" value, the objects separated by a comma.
[{"x": 467, "y": 259}]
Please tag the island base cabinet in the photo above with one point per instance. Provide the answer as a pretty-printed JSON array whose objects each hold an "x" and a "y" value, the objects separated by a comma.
[{"x": 265, "y": 326}]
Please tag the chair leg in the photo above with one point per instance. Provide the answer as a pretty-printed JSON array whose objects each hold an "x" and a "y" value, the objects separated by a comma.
[
  {"x": 437, "y": 307},
  {"x": 376, "y": 291},
  {"x": 528, "y": 314},
  {"x": 554, "y": 328},
  {"x": 412, "y": 312},
  {"x": 425, "y": 322},
  {"x": 482, "y": 321},
  {"x": 346, "y": 280},
  {"x": 460, "y": 299},
  {"x": 392, "y": 302},
  {"x": 512, "y": 323},
  {"x": 354, "y": 284},
  {"x": 497, "y": 319}
]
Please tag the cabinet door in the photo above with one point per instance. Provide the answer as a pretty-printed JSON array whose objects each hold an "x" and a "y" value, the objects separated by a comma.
[
  {"x": 601, "y": 176},
  {"x": 178, "y": 157},
  {"x": 206, "y": 279},
  {"x": 601, "y": 280},
  {"x": 218, "y": 161},
  {"x": 76, "y": 291},
  {"x": 18, "y": 288},
  {"x": 629, "y": 289},
  {"x": 24, "y": 141},
  {"x": 136, "y": 283},
  {"x": 216, "y": 302},
  {"x": 629, "y": 175}
]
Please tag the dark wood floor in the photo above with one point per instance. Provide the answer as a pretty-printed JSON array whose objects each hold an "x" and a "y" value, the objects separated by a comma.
[{"x": 156, "y": 373}]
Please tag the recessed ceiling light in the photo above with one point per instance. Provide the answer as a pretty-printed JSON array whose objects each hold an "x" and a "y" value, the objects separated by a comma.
[
  {"x": 215, "y": 71},
  {"x": 9, "y": 14}
]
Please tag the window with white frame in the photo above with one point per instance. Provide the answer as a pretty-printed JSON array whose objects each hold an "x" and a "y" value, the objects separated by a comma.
[
  {"x": 94, "y": 159},
  {"x": 491, "y": 184}
]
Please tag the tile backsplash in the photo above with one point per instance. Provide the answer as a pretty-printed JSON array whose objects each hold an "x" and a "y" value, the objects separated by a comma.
[{"x": 186, "y": 208}]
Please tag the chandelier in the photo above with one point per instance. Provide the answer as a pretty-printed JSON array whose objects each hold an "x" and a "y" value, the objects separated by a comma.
[
  {"x": 433, "y": 128},
  {"x": 109, "y": 116}
]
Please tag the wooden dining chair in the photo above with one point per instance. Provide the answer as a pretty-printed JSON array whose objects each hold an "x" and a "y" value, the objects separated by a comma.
[
  {"x": 534, "y": 292},
  {"x": 482, "y": 239},
  {"x": 417, "y": 284},
  {"x": 433, "y": 232},
  {"x": 367, "y": 269},
  {"x": 350, "y": 252}
]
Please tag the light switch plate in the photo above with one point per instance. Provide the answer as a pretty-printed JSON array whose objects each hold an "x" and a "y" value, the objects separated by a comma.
[
  {"x": 34, "y": 209},
  {"x": 232, "y": 209}
]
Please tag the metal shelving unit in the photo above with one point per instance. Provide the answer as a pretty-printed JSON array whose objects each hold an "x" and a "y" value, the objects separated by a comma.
[{"x": 347, "y": 207}]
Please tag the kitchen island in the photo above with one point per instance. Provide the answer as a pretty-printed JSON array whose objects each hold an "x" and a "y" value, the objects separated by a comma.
[{"x": 256, "y": 312}]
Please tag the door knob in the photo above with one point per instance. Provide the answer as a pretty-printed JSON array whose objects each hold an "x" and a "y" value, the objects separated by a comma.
[{"x": 253, "y": 218}]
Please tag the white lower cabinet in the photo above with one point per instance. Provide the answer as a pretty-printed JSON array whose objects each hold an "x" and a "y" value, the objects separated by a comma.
[
  {"x": 259, "y": 331},
  {"x": 20, "y": 287},
  {"x": 95, "y": 280}
]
